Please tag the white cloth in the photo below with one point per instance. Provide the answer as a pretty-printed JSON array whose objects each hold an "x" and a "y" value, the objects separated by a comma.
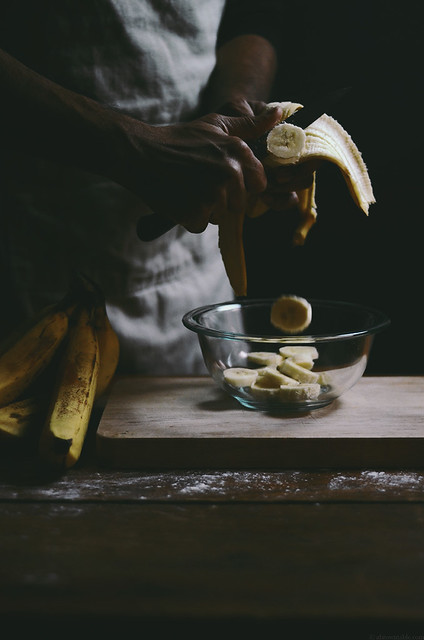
[{"x": 153, "y": 65}]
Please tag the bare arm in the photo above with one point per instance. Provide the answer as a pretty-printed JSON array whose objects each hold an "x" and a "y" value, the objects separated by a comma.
[
  {"x": 42, "y": 118},
  {"x": 241, "y": 84},
  {"x": 185, "y": 172},
  {"x": 244, "y": 72}
]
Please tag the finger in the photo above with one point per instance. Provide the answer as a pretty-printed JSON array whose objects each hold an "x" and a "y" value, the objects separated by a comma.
[
  {"x": 252, "y": 127},
  {"x": 196, "y": 218},
  {"x": 244, "y": 166},
  {"x": 236, "y": 108},
  {"x": 236, "y": 194},
  {"x": 301, "y": 171},
  {"x": 254, "y": 176},
  {"x": 282, "y": 201},
  {"x": 220, "y": 207},
  {"x": 298, "y": 182}
]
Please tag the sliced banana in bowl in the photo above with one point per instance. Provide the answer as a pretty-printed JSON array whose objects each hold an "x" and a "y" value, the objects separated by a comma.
[
  {"x": 240, "y": 376},
  {"x": 267, "y": 369}
]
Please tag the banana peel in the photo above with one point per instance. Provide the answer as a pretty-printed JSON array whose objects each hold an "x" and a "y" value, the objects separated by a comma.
[{"x": 326, "y": 140}]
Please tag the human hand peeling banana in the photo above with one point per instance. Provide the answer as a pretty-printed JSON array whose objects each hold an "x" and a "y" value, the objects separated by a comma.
[{"x": 291, "y": 147}]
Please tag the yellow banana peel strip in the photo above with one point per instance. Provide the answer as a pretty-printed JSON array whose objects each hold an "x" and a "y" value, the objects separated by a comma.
[
  {"x": 308, "y": 212},
  {"x": 230, "y": 242},
  {"x": 326, "y": 140}
]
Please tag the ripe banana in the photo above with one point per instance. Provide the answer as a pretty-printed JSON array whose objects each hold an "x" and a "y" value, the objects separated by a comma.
[
  {"x": 108, "y": 348},
  {"x": 324, "y": 140},
  {"x": 291, "y": 314},
  {"x": 73, "y": 397},
  {"x": 18, "y": 419},
  {"x": 27, "y": 356},
  {"x": 89, "y": 292},
  {"x": 17, "y": 333}
]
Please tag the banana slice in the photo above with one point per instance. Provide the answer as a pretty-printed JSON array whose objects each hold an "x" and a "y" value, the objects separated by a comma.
[
  {"x": 296, "y": 393},
  {"x": 306, "y": 363},
  {"x": 299, "y": 352},
  {"x": 240, "y": 376},
  {"x": 291, "y": 314},
  {"x": 294, "y": 370},
  {"x": 324, "y": 378},
  {"x": 271, "y": 377},
  {"x": 286, "y": 142},
  {"x": 264, "y": 357},
  {"x": 261, "y": 389},
  {"x": 304, "y": 356}
]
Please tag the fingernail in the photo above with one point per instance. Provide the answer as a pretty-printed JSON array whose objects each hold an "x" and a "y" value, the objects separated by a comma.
[{"x": 272, "y": 106}]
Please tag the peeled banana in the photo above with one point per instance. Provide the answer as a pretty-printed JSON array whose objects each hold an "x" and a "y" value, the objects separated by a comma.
[
  {"x": 324, "y": 140},
  {"x": 72, "y": 400}
]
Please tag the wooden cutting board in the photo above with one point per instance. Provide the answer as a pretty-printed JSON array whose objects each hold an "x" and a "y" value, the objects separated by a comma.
[{"x": 164, "y": 423}]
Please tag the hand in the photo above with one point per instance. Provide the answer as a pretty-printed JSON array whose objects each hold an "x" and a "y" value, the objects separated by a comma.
[
  {"x": 285, "y": 181},
  {"x": 196, "y": 172},
  {"x": 242, "y": 107},
  {"x": 282, "y": 182}
]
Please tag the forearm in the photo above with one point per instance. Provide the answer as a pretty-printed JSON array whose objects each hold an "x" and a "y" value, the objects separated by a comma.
[
  {"x": 43, "y": 119},
  {"x": 245, "y": 69},
  {"x": 186, "y": 171}
]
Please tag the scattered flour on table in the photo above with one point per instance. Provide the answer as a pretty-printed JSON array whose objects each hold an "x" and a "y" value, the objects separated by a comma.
[
  {"x": 379, "y": 480},
  {"x": 384, "y": 479},
  {"x": 206, "y": 483},
  {"x": 217, "y": 483}
]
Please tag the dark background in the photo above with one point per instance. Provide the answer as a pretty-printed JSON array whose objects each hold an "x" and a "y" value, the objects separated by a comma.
[{"x": 375, "y": 47}]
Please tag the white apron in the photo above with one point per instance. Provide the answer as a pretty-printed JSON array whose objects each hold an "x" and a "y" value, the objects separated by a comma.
[{"x": 55, "y": 219}]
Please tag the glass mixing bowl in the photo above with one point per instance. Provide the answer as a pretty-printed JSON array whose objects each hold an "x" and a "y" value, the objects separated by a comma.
[{"x": 239, "y": 334}]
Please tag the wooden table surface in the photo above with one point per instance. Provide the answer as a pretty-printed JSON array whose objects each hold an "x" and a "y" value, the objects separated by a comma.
[{"x": 289, "y": 553}]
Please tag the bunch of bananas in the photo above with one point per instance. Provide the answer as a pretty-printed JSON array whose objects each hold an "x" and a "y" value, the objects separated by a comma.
[{"x": 52, "y": 371}]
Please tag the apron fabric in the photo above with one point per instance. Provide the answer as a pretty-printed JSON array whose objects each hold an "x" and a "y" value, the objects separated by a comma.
[{"x": 150, "y": 59}]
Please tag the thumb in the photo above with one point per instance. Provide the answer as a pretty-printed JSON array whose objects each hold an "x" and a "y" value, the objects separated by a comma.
[{"x": 253, "y": 127}]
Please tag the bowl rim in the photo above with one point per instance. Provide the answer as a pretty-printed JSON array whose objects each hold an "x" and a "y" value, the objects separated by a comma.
[{"x": 190, "y": 321}]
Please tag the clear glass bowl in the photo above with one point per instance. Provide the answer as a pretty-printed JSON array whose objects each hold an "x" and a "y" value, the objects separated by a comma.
[{"x": 341, "y": 332}]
